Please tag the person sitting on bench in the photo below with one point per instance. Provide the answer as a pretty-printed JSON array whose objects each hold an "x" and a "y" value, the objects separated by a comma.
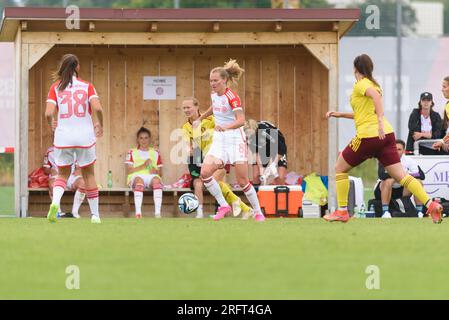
[{"x": 387, "y": 188}]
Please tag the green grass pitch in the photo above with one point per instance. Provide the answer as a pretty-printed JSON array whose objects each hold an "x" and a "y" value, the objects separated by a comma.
[{"x": 229, "y": 259}]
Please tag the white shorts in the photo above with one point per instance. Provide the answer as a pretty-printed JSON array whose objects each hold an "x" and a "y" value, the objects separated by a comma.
[
  {"x": 147, "y": 178},
  {"x": 229, "y": 146},
  {"x": 71, "y": 181},
  {"x": 66, "y": 157}
]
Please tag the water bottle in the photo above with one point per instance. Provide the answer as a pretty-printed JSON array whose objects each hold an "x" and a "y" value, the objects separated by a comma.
[
  {"x": 356, "y": 212},
  {"x": 362, "y": 211},
  {"x": 109, "y": 179}
]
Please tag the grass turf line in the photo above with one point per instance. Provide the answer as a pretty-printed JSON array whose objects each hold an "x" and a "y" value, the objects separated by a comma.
[{"x": 229, "y": 259}]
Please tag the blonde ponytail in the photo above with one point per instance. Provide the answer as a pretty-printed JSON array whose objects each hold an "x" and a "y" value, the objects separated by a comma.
[{"x": 231, "y": 71}]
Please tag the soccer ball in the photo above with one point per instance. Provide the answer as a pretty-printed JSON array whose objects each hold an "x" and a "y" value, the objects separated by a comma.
[{"x": 188, "y": 203}]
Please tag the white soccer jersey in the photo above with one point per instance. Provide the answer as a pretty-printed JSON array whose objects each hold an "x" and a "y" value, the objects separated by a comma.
[
  {"x": 75, "y": 128},
  {"x": 224, "y": 106}
]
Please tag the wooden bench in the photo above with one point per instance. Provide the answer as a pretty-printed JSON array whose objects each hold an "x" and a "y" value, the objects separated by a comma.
[{"x": 119, "y": 202}]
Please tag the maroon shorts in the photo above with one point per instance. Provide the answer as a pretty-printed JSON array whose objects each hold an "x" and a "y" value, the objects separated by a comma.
[{"x": 360, "y": 149}]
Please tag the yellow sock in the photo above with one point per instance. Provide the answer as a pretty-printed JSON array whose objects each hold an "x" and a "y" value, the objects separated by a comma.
[
  {"x": 231, "y": 197},
  {"x": 415, "y": 188},
  {"x": 227, "y": 192},
  {"x": 244, "y": 207},
  {"x": 342, "y": 184}
]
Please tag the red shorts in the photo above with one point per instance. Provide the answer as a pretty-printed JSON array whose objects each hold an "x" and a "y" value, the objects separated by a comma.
[{"x": 361, "y": 149}]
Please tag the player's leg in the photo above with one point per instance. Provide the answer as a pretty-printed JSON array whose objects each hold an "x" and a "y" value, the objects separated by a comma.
[
  {"x": 342, "y": 168},
  {"x": 64, "y": 159},
  {"x": 256, "y": 174},
  {"x": 386, "y": 189},
  {"x": 414, "y": 186},
  {"x": 210, "y": 165},
  {"x": 51, "y": 183},
  {"x": 79, "y": 196},
  {"x": 231, "y": 198},
  {"x": 419, "y": 204},
  {"x": 282, "y": 170},
  {"x": 86, "y": 160},
  {"x": 138, "y": 186},
  {"x": 156, "y": 185},
  {"x": 241, "y": 174},
  {"x": 57, "y": 192},
  {"x": 197, "y": 186}
]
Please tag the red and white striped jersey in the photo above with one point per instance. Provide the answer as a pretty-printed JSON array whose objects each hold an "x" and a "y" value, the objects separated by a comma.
[
  {"x": 224, "y": 106},
  {"x": 75, "y": 127}
]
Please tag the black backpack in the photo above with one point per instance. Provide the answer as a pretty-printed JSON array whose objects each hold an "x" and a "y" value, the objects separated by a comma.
[{"x": 403, "y": 207}]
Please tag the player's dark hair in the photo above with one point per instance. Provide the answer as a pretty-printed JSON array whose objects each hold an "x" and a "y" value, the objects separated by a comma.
[
  {"x": 446, "y": 79},
  {"x": 364, "y": 65},
  {"x": 143, "y": 130},
  {"x": 66, "y": 70},
  {"x": 399, "y": 141},
  {"x": 420, "y": 107}
]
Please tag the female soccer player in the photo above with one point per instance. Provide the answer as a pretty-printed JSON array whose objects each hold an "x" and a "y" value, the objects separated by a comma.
[
  {"x": 229, "y": 142},
  {"x": 199, "y": 141},
  {"x": 143, "y": 166},
  {"x": 445, "y": 141},
  {"x": 374, "y": 138},
  {"x": 268, "y": 145},
  {"x": 72, "y": 101}
]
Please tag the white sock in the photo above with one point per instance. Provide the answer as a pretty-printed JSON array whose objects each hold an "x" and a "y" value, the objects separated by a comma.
[
  {"x": 138, "y": 198},
  {"x": 251, "y": 195},
  {"x": 78, "y": 200},
  {"x": 199, "y": 211},
  {"x": 157, "y": 197},
  {"x": 58, "y": 191},
  {"x": 92, "y": 199},
  {"x": 214, "y": 189}
]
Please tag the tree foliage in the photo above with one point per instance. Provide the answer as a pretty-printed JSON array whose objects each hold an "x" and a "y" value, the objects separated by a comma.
[{"x": 387, "y": 10}]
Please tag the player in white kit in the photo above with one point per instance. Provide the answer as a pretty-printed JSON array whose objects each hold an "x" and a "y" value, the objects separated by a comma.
[
  {"x": 72, "y": 101},
  {"x": 229, "y": 142}
]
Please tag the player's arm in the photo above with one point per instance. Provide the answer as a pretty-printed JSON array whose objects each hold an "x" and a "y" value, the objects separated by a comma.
[
  {"x": 378, "y": 106},
  {"x": 206, "y": 114},
  {"x": 131, "y": 169},
  {"x": 98, "y": 111},
  {"x": 336, "y": 114},
  {"x": 51, "y": 114}
]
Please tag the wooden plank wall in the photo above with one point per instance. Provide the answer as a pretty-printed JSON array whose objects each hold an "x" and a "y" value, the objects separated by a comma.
[{"x": 286, "y": 86}]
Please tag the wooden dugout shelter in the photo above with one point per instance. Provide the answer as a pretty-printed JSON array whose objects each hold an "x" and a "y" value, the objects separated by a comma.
[{"x": 291, "y": 79}]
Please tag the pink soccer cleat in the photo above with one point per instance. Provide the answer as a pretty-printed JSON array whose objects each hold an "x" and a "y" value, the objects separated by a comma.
[
  {"x": 222, "y": 212},
  {"x": 259, "y": 217},
  {"x": 434, "y": 211}
]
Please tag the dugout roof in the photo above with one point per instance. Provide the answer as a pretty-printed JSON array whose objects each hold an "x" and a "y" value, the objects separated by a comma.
[{"x": 175, "y": 20}]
